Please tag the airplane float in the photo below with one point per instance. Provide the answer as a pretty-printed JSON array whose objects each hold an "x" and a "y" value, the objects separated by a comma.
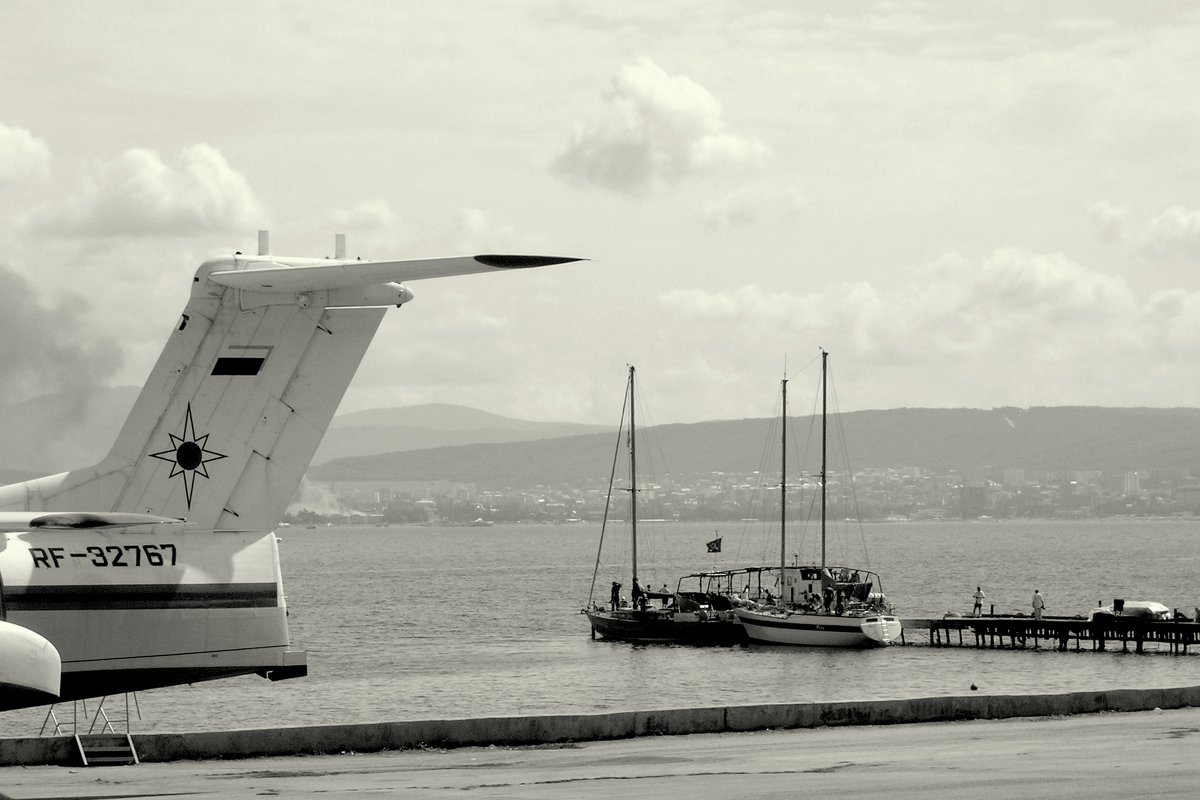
[{"x": 159, "y": 565}]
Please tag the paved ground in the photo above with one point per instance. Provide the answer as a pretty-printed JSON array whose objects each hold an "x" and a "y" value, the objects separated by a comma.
[{"x": 1145, "y": 754}]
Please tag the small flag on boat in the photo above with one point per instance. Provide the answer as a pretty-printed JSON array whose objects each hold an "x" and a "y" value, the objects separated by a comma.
[{"x": 714, "y": 546}]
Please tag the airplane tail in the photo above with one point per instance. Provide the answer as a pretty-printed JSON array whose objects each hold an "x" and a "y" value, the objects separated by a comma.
[
  {"x": 236, "y": 405},
  {"x": 219, "y": 438}
]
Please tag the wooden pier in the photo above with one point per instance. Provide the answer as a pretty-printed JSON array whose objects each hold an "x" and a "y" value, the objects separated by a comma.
[{"x": 1103, "y": 632}]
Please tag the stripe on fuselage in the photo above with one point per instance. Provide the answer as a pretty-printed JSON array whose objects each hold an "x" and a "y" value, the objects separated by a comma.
[{"x": 149, "y": 596}]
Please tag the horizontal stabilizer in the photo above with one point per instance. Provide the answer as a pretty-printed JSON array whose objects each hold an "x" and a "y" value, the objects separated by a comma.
[
  {"x": 307, "y": 275},
  {"x": 237, "y": 403},
  {"x": 76, "y": 520}
]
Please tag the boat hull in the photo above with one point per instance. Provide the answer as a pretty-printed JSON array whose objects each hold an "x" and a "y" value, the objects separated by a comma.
[
  {"x": 819, "y": 630},
  {"x": 655, "y": 627}
]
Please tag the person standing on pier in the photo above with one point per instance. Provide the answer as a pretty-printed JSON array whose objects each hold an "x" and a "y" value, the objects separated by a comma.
[
  {"x": 979, "y": 595},
  {"x": 1039, "y": 604}
]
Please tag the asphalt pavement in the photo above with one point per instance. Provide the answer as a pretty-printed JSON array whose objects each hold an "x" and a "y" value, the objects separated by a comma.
[{"x": 1146, "y": 754}]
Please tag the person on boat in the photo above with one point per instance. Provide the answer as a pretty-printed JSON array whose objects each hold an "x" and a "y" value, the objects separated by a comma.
[
  {"x": 639, "y": 597},
  {"x": 979, "y": 595},
  {"x": 616, "y": 595},
  {"x": 1039, "y": 604},
  {"x": 809, "y": 601},
  {"x": 666, "y": 596}
]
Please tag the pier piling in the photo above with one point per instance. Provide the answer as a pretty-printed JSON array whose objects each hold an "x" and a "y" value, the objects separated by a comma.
[{"x": 1101, "y": 631}]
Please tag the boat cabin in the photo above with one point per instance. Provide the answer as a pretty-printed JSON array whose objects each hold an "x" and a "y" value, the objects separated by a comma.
[{"x": 834, "y": 589}]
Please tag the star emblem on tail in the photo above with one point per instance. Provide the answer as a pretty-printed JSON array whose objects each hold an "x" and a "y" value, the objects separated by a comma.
[{"x": 188, "y": 455}]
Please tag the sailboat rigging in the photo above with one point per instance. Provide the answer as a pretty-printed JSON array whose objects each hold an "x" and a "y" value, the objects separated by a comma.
[
  {"x": 837, "y": 606},
  {"x": 686, "y": 617}
]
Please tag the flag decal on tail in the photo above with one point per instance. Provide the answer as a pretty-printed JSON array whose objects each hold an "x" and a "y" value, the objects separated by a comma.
[{"x": 188, "y": 456}]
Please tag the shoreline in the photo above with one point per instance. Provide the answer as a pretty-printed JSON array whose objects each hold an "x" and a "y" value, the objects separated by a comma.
[{"x": 569, "y": 729}]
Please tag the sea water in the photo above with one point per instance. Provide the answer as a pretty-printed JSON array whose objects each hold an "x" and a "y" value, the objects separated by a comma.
[{"x": 408, "y": 623}]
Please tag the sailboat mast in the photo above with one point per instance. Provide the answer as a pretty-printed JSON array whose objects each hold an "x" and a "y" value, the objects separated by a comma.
[
  {"x": 632, "y": 475},
  {"x": 824, "y": 474},
  {"x": 783, "y": 492}
]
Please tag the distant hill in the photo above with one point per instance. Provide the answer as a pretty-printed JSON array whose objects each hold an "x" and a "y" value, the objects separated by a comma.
[
  {"x": 429, "y": 426},
  {"x": 451, "y": 442},
  {"x": 55, "y": 433},
  {"x": 50, "y": 434},
  {"x": 1039, "y": 439}
]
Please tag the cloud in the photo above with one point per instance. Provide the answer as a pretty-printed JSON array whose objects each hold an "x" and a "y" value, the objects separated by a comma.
[
  {"x": 1013, "y": 328},
  {"x": 952, "y": 306},
  {"x": 1172, "y": 235},
  {"x": 139, "y": 194},
  {"x": 748, "y": 205},
  {"x": 373, "y": 229},
  {"x": 1176, "y": 317},
  {"x": 657, "y": 130},
  {"x": 376, "y": 231},
  {"x": 49, "y": 348},
  {"x": 369, "y": 215},
  {"x": 23, "y": 157},
  {"x": 1110, "y": 220},
  {"x": 477, "y": 231}
]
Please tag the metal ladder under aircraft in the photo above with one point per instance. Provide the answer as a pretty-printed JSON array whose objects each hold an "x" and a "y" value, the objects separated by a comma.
[{"x": 97, "y": 748}]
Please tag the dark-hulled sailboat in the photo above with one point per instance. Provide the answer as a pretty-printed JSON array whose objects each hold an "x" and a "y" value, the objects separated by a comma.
[{"x": 683, "y": 617}]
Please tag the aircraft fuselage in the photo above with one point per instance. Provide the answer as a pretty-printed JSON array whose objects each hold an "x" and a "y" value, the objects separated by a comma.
[{"x": 130, "y": 611}]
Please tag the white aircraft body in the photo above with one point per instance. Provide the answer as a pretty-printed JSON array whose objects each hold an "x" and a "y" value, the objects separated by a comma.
[{"x": 159, "y": 566}]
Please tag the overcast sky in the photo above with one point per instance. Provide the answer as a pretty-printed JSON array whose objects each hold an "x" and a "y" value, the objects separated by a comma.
[{"x": 968, "y": 204}]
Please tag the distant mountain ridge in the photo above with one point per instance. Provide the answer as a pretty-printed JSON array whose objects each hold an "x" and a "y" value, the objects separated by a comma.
[
  {"x": 1052, "y": 439},
  {"x": 450, "y": 442},
  {"x": 431, "y": 425},
  {"x": 51, "y": 434},
  {"x": 57, "y": 432}
]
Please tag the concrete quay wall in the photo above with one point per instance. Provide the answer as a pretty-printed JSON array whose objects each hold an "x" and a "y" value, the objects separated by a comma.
[{"x": 370, "y": 737}]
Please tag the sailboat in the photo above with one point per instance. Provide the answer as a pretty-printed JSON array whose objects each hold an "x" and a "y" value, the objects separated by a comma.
[
  {"x": 684, "y": 617},
  {"x": 820, "y": 605}
]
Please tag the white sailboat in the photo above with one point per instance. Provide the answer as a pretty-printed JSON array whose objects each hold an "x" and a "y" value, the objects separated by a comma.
[{"x": 820, "y": 605}]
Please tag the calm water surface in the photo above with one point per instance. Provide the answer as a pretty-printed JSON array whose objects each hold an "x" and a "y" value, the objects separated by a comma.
[{"x": 427, "y": 622}]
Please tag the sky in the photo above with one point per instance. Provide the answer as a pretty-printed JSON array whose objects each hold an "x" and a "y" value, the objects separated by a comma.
[{"x": 972, "y": 205}]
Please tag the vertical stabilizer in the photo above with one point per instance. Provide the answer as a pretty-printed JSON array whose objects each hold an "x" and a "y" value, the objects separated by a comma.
[{"x": 249, "y": 380}]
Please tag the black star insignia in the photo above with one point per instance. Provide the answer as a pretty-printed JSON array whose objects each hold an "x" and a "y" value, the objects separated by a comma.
[{"x": 188, "y": 455}]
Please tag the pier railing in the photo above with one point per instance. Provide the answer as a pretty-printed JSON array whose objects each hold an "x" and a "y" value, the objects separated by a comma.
[{"x": 1101, "y": 632}]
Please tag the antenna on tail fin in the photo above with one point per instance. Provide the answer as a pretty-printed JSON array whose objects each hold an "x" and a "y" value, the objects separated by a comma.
[{"x": 234, "y": 409}]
